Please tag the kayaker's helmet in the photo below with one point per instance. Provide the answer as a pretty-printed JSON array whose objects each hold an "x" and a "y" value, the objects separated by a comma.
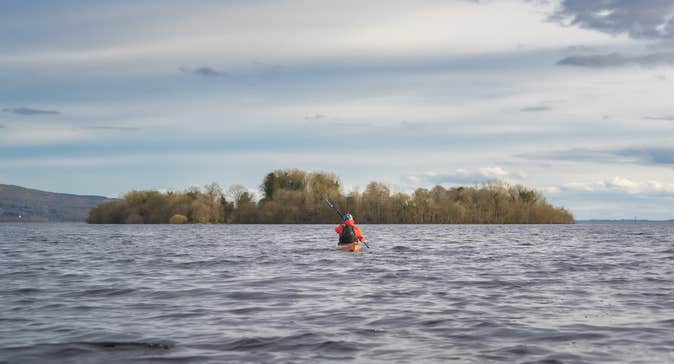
[{"x": 348, "y": 217}]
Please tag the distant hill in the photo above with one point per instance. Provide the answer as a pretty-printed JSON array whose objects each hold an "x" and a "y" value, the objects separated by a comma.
[{"x": 25, "y": 204}]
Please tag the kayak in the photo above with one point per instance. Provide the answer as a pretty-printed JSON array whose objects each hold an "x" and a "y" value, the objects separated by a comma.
[{"x": 353, "y": 247}]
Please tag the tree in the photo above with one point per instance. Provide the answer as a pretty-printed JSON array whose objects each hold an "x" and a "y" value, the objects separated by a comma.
[{"x": 245, "y": 208}]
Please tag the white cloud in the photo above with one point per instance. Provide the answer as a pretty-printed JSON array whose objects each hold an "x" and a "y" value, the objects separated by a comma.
[
  {"x": 553, "y": 190},
  {"x": 462, "y": 177},
  {"x": 625, "y": 185},
  {"x": 289, "y": 31},
  {"x": 41, "y": 135}
]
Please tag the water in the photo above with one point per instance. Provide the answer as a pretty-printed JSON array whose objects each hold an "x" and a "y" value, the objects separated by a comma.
[{"x": 595, "y": 293}]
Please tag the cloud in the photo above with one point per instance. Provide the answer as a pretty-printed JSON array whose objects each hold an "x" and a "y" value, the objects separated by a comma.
[
  {"x": 634, "y": 155},
  {"x": 315, "y": 117},
  {"x": 575, "y": 155},
  {"x": 44, "y": 135},
  {"x": 649, "y": 155},
  {"x": 320, "y": 119},
  {"x": 616, "y": 59},
  {"x": 552, "y": 190},
  {"x": 113, "y": 128},
  {"x": 354, "y": 124},
  {"x": 579, "y": 48},
  {"x": 412, "y": 125},
  {"x": 645, "y": 19},
  {"x": 268, "y": 71},
  {"x": 624, "y": 185},
  {"x": 462, "y": 176},
  {"x": 536, "y": 108},
  {"x": 617, "y": 198},
  {"x": 30, "y": 111},
  {"x": 234, "y": 33},
  {"x": 648, "y": 19},
  {"x": 660, "y": 117},
  {"x": 205, "y": 71}
]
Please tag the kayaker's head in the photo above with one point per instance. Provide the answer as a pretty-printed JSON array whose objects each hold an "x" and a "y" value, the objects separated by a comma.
[{"x": 348, "y": 219}]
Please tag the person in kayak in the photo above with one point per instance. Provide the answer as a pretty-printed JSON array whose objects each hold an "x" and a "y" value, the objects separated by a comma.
[{"x": 348, "y": 232}]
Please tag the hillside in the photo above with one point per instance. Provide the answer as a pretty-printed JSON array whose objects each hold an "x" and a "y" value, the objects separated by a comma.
[{"x": 24, "y": 204}]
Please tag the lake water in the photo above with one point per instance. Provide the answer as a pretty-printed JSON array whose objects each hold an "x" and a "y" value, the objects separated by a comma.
[{"x": 587, "y": 293}]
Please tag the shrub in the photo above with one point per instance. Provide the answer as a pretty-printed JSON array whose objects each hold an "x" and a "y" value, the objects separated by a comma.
[{"x": 178, "y": 219}]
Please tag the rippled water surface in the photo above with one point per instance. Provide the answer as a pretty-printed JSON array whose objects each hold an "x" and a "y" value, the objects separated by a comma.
[{"x": 595, "y": 293}]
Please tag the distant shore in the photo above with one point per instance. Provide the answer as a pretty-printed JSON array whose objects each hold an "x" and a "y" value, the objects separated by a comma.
[{"x": 623, "y": 221}]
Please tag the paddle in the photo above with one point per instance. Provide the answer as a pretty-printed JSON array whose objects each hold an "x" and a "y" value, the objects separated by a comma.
[{"x": 341, "y": 215}]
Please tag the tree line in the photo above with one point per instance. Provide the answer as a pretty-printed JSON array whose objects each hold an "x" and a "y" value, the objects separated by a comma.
[{"x": 293, "y": 196}]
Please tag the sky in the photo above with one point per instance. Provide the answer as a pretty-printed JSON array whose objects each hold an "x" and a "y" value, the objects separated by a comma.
[{"x": 570, "y": 97}]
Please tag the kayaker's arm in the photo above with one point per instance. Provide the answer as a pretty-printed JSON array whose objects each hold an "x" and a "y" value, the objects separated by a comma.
[{"x": 359, "y": 234}]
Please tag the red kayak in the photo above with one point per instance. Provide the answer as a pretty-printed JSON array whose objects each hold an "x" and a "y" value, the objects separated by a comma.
[{"x": 353, "y": 247}]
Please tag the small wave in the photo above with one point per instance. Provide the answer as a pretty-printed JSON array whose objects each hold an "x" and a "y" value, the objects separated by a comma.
[
  {"x": 559, "y": 359},
  {"x": 246, "y": 310},
  {"x": 485, "y": 324},
  {"x": 667, "y": 322},
  {"x": 402, "y": 248},
  {"x": 522, "y": 350},
  {"x": 249, "y": 295},
  {"x": 180, "y": 315},
  {"x": 28, "y": 290},
  {"x": 102, "y": 292},
  {"x": 435, "y": 322},
  {"x": 80, "y": 350},
  {"x": 390, "y": 275},
  {"x": 570, "y": 336},
  {"x": 369, "y": 332},
  {"x": 126, "y": 345},
  {"x": 305, "y": 342},
  {"x": 250, "y": 343},
  {"x": 197, "y": 264},
  {"x": 336, "y": 346},
  {"x": 544, "y": 361}
]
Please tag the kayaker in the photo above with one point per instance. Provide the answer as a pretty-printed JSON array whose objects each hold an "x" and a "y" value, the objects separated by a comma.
[{"x": 348, "y": 232}]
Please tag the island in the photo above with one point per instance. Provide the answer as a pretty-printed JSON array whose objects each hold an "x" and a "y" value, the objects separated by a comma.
[{"x": 293, "y": 196}]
